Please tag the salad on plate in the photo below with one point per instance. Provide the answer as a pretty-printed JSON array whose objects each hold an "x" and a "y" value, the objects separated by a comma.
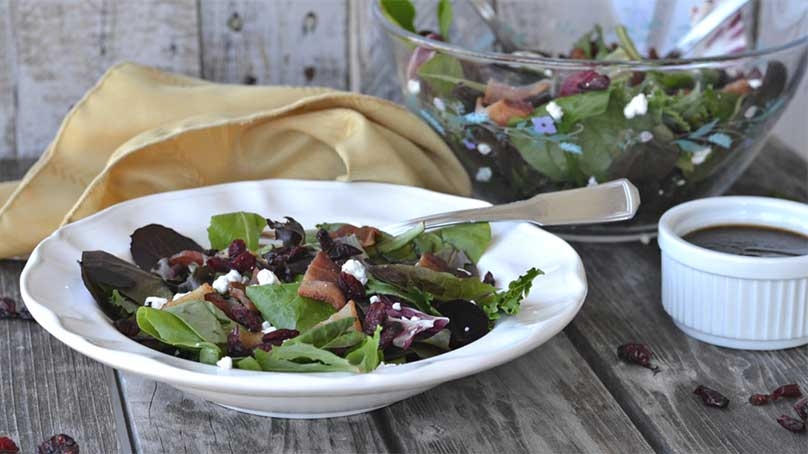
[{"x": 272, "y": 296}]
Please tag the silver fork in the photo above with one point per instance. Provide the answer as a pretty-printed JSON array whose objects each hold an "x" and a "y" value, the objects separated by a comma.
[{"x": 616, "y": 200}]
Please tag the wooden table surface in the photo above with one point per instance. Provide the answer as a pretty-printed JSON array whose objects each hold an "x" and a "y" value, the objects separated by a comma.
[{"x": 569, "y": 395}]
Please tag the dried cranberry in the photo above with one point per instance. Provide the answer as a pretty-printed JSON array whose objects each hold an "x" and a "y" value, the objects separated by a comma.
[
  {"x": 243, "y": 263},
  {"x": 8, "y": 308},
  {"x": 711, "y": 397},
  {"x": 790, "y": 390},
  {"x": 235, "y": 347},
  {"x": 583, "y": 81},
  {"x": 236, "y": 248},
  {"x": 759, "y": 399},
  {"x": 350, "y": 286},
  {"x": 792, "y": 424},
  {"x": 218, "y": 264},
  {"x": 7, "y": 446},
  {"x": 336, "y": 250},
  {"x": 801, "y": 408},
  {"x": 489, "y": 279},
  {"x": 279, "y": 335},
  {"x": 376, "y": 314},
  {"x": 59, "y": 444},
  {"x": 638, "y": 354},
  {"x": 236, "y": 311}
]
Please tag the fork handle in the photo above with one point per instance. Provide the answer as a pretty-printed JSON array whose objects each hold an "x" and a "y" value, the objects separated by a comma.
[{"x": 616, "y": 200}]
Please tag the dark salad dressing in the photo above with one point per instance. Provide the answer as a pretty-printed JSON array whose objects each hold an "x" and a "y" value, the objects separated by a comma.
[{"x": 750, "y": 240}]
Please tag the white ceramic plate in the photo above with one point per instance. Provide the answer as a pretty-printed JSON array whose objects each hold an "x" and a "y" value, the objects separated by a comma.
[{"x": 53, "y": 291}]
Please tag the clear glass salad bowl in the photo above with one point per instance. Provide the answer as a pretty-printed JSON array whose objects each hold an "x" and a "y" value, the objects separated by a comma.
[{"x": 589, "y": 107}]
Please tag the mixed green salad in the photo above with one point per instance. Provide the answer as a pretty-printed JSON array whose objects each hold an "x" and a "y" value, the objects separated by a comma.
[
  {"x": 272, "y": 296},
  {"x": 521, "y": 129}
]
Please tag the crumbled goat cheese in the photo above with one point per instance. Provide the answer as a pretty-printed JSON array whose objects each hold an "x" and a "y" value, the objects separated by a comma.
[
  {"x": 755, "y": 83},
  {"x": 414, "y": 87},
  {"x": 701, "y": 155},
  {"x": 555, "y": 110},
  {"x": 220, "y": 284},
  {"x": 484, "y": 174},
  {"x": 397, "y": 306},
  {"x": 439, "y": 104},
  {"x": 646, "y": 136},
  {"x": 267, "y": 277},
  {"x": 267, "y": 327},
  {"x": 638, "y": 106},
  {"x": 484, "y": 149},
  {"x": 374, "y": 299},
  {"x": 592, "y": 181},
  {"x": 225, "y": 363},
  {"x": 356, "y": 269},
  {"x": 156, "y": 302},
  {"x": 179, "y": 295}
]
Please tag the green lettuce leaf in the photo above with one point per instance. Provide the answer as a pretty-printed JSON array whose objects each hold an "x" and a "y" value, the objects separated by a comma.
[
  {"x": 402, "y": 12},
  {"x": 444, "y": 17},
  {"x": 207, "y": 320},
  {"x": 284, "y": 308},
  {"x": 367, "y": 356},
  {"x": 392, "y": 243},
  {"x": 248, "y": 363},
  {"x": 126, "y": 305},
  {"x": 320, "y": 336},
  {"x": 172, "y": 330},
  {"x": 508, "y": 301},
  {"x": 473, "y": 239},
  {"x": 443, "y": 73},
  {"x": 224, "y": 228},
  {"x": 302, "y": 358}
]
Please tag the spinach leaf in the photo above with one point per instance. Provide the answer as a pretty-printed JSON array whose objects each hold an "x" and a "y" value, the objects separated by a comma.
[
  {"x": 442, "y": 286},
  {"x": 473, "y": 239},
  {"x": 284, "y": 308},
  {"x": 579, "y": 106},
  {"x": 367, "y": 356},
  {"x": 443, "y": 73},
  {"x": 322, "y": 335},
  {"x": 543, "y": 156},
  {"x": 444, "y": 17},
  {"x": 402, "y": 12},
  {"x": 627, "y": 43},
  {"x": 150, "y": 243},
  {"x": 172, "y": 330},
  {"x": 248, "y": 363},
  {"x": 508, "y": 301},
  {"x": 207, "y": 320},
  {"x": 392, "y": 243},
  {"x": 224, "y": 228},
  {"x": 302, "y": 358},
  {"x": 102, "y": 273}
]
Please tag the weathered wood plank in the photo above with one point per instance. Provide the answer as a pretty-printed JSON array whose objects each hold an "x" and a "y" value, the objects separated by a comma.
[
  {"x": 301, "y": 42},
  {"x": 164, "y": 420},
  {"x": 624, "y": 305},
  {"x": 64, "y": 46},
  {"x": 8, "y": 85},
  {"x": 46, "y": 388},
  {"x": 546, "y": 401}
]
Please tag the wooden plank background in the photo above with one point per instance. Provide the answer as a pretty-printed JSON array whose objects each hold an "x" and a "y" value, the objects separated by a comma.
[{"x": 52, "y": 51}]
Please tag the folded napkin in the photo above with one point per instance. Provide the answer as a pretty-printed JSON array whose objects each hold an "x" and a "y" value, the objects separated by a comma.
[{"x": 141, "y": 131}]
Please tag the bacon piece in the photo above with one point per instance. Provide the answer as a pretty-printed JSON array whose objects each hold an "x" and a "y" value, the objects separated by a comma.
[
  {"x": 185, "y": 258},
  {"x": 196, "y": 295},
  {"x": 497, "y": 91},
  {"x": 503, "y": 110},
  {"x": 433, "y": 262},
  {"x": 320, "y": 282},
  {"x": 349, "y": 310},
  {"x": 365, "y": 234}
]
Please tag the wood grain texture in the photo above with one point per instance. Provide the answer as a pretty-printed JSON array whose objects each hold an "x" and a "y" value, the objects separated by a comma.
[
  {"x": 46, "y": 388},
  {"x": 63, "y": 46},
  {"x": 624, "y": 305},
  {"x": 8, "y": 85},
  {"x": 546, "y": 401},
  {"x": 165, "y": 420},
  {"x": 285, "y": 42}
]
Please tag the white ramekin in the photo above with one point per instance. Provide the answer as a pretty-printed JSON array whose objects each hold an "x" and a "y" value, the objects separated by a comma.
[{"x": 752, "y": 303}]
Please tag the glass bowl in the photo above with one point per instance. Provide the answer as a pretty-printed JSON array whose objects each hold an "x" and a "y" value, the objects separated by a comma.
[{"x": 525, "y": 123}]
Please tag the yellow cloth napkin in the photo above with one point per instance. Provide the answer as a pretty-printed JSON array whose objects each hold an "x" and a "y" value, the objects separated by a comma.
[{"x": 141, "y": 131}]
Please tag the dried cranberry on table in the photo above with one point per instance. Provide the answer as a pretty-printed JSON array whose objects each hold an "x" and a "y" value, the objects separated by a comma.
[
  {"x": 638, "y": 354},
  {"x": 790, "y": 390},
  {"x": 8, "y": 310},
  {"x": 8, "y": 446},
  {"x": 759, "y": 399},
  {"x": 791, "y": 424},
  {"x": 801, "y": 408},
  {"x": 59, "y": 444},
  {"x": 711, "y": 397}
]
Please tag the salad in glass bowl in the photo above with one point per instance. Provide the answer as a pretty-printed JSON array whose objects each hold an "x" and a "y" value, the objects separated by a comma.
[
  {"x": 529, "y": 122},
  {"x": 272, "y": 296}
]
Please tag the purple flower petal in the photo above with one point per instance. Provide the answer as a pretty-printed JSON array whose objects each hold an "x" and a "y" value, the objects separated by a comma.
[
  {"x": 543, "y": 125},
  {"x": 469, "y": 144}
]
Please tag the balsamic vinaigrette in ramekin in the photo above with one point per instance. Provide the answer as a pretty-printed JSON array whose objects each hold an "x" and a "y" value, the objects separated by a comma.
[{"x": 750, "y": 240}]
